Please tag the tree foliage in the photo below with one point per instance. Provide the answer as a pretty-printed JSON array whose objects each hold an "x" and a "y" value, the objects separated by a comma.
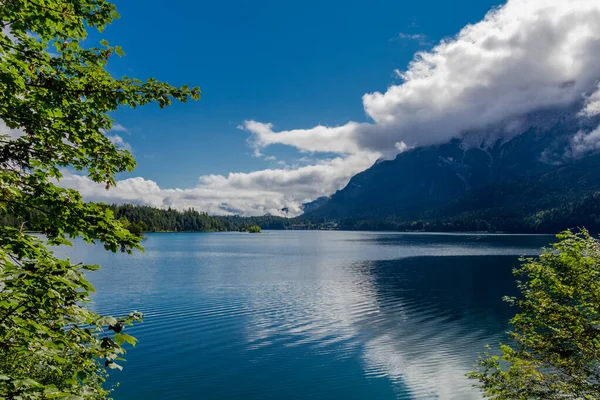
[
  {"x": 264, "y": 222},
  {"x": 254, "y": 229},
  {"x": 136, "y": 228},
  {"x": 56, "y": 96},
  {"x": 170, "y": 220},
  {"x": 555, "y": 348},
  {"x": 191, "y": 220}
]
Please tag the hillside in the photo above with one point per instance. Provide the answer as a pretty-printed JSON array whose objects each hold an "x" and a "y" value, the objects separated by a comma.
[{"x": 528, "y": 183}]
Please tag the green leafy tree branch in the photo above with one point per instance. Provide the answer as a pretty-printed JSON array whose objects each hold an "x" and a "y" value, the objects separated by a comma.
[
  {"x": 554, "y": 351},
  {"x": 58, "y": 95}
]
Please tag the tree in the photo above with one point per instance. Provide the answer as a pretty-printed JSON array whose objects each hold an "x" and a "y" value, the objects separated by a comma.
[
  {"x": 135, "y": 228},
  {"x": 56, "y": 96},
  {"x": 254, "y": 229},
  {"x": 555, "y": 347}
]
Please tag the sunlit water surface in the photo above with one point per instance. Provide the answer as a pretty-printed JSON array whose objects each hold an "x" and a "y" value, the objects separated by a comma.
[{"x": 308, "y": 314}]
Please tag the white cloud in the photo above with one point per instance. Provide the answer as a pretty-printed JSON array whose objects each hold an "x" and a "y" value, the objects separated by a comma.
[
  {"x": 117, "y": 139},
  {"x": 524, "y": 56},
  {"x": 414, "y": 36},
  {"x": 592, "y": 104},
  {"x": 401, "y": 147},
  {"x": 584, "y": 142},
  {"x": 119, "y": 128},
  {"x": 9, "y": 133},
  {"x": 254, "y": 193},
  {"x": 420, "y": 38},
  {"x": 6, "y": 31},
  {"x": 256, "y": 153},
  {"x": 317, "y": 139},
  {"x": 119, "y": 142}
]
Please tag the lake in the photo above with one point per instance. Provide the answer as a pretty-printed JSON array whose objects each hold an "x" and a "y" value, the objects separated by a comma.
[{"x": 308, "y": 314}]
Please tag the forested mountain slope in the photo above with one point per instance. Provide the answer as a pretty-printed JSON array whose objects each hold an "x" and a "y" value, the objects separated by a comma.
[{"x": 534, "y": 181}]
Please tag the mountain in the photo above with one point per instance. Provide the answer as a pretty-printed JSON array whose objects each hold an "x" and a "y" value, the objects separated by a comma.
[
  {"x": 529, "y": 182},
  {"x": 313, "y": 205}
]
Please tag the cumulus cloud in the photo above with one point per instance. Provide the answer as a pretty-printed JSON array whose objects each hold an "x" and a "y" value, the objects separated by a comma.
[
  {"x": 254, "y": 193},
  {"x": 524, "y": 56},
  {"x": 317, "y": 139}
]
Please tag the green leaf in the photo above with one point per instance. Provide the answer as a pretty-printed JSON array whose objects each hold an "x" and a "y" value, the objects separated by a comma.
[
  {"x": 51, "y": 390},
  {"x": 121, "y": 338},
  {"x": 27, "y": 382}
]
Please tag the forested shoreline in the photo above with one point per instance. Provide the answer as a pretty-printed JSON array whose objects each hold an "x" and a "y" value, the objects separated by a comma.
[
  {"x": 139, "y": 219},
  {"x": 578, "y": 212},
  {"x": 151, "y": 219}
]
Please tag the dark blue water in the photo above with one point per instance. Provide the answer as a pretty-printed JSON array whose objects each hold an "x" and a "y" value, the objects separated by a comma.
[{"x": 308, "y": 314}]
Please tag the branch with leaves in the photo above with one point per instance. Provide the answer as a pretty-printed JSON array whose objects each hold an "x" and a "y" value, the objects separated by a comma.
[
  {"x": 554, "y": 351},
  {"x": 59, "y": 95}
]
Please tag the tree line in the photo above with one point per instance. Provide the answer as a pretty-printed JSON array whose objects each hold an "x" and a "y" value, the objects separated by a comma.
[
  {"x": 151, "y": 219},
  {"x": 577, "y": 212},
  {"x": 139, "y": 219}
]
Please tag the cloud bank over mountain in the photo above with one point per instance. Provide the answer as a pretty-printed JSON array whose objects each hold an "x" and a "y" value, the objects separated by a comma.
[{"x": 525, "y": 56}]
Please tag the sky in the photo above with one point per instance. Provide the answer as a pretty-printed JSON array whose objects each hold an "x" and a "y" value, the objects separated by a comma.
[{"x": 299, "y": 96}]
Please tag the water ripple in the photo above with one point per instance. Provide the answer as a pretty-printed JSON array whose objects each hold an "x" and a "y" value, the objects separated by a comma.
[{"x": 309, "y": 314}]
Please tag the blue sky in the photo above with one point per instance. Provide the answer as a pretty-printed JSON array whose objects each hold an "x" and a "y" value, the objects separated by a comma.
[
  {"x": 301, "y": 96},
  {"x": 292, "y": 63}
]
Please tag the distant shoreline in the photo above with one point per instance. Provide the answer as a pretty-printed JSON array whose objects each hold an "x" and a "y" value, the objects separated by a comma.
[{"x": 373, "y": 231}]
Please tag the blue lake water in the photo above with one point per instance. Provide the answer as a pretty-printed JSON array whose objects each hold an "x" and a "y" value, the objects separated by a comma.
[{"x": 308, "y": 314}]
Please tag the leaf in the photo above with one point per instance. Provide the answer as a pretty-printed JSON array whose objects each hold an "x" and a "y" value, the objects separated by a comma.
[
  {"x": 114, "y": 365},
  {"x": 51, "y": 390},
  {"x": 121, "y": 338},
  {"x": 106, "y": 321},
  {"x": 27, "y": 382}
]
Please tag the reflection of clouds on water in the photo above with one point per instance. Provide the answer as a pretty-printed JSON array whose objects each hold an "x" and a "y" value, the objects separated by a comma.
[
  {"x": 424, "y": 352},
  {"x": 429, "y": 367},
  {"x": 318, "y": 313}
]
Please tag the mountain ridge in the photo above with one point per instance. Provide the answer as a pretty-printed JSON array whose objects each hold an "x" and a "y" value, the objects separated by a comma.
[{"x": 519, "y": 176}]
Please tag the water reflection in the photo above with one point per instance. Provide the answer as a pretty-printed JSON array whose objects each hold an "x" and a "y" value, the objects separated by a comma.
[
  {"x": 418, "y": 322},
  {"x": 309, "y": 314}
]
